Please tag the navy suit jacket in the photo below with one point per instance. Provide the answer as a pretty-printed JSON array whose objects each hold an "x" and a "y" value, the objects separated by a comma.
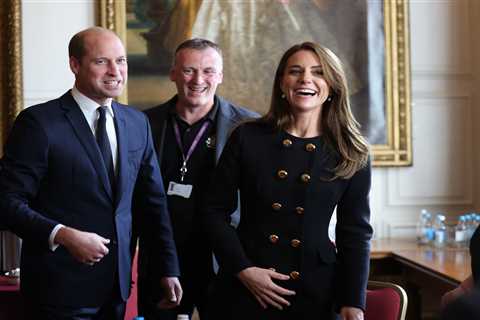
[{"x": 53, "y": 173}]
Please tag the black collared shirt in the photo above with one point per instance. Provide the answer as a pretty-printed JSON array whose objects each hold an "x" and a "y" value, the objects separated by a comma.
[{"x": 185, "y": 212}]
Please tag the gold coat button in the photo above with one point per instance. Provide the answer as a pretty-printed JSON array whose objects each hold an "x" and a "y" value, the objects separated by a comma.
[
  {"x": 282, "y": 174},
  {"x": 305, "y": 177},
  {"x": 276, "y": 206},
  {"x": 299, "y": 210},
  {"x": 295, "y": 243},
  {"x": 295, "y": 275},
  {"x": 273, "y": 238},
  {"x": 310, "y": 147},
  {"x": 287, "y": 143}
]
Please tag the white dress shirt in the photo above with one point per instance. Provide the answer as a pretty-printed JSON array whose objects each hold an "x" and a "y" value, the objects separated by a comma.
[{"x": 89, "y": 110}]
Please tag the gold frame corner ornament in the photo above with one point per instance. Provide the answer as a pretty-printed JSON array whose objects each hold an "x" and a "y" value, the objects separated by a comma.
[
  {"x": 398, "y": 149},
  {"x": 11, "y": 87}
]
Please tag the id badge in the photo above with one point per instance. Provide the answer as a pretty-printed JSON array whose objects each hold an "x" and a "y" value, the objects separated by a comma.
[{"x": 178, "y": 189}]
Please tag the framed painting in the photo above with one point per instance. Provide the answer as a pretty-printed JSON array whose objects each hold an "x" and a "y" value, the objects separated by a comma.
[
  {"x": 370, "y": 37},
  {"x": 11, "y": 88},
  {"x": 11, "y": 103}
]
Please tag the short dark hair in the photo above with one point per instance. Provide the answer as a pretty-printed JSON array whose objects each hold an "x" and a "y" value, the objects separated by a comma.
[
  {"x": 197, "y": 44},
  {"x": 340, "y": 129},
  {"x": 76, "y": 47}
]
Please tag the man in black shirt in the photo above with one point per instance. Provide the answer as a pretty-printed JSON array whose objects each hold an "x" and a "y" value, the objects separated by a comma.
[{"x": 189, "y": 132}]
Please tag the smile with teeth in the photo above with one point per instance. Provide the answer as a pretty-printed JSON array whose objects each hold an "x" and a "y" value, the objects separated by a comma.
[
  {"x": 305, "y": 92},
  {"x": 197, "y": 89},
  {"x": 111, "y": 83}
]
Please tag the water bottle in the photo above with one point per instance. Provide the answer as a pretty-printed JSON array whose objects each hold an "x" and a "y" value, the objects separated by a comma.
[
  {"x": 472, "y": 221},
  {"x": 476, "y": 223},
  {"x": 461, "y": 232},
  {"x": 425, "y": 231},
  {"x": 182, "y": 317},
  {"x": 440, "y": 230},
  {"x": 469, "y": 222}
]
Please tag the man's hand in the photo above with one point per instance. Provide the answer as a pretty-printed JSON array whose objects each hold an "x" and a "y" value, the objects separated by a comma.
[
  {"x": 351, "y": 313},
  {"x": 172, "y": 292},
  {"x": 259, "y": 282},
  {"x": 85, "y": 247}
]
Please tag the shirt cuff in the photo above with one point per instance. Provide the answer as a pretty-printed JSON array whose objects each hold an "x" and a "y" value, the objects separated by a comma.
[{"x": 53, "y": 246}]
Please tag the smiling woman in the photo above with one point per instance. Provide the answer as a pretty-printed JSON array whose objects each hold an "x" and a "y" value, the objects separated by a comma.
[
  {"x": 303, "y": 84},
  {"x": 292, "y": 168}
]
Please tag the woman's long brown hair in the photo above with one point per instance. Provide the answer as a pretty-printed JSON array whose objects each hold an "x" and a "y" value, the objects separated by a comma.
[{"x": 339, "y": 128}]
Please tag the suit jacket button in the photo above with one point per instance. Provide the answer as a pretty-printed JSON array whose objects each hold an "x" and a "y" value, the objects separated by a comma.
[
  {"x": 295, "y": 243},
  {"x": 310, "y": 147},
  {"x": 273, "y": 238},
  {"x": 299, "y": 210},
  {"x": 305, "y": 178},
  {"x": 282, "y": 174},
  {"x": 295, "y": 275},
  {"x": 276, "y": 206},
  {"x": 287, "y": 143}
]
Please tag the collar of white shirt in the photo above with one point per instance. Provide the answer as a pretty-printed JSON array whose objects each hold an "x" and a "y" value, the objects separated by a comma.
[{"x": 89, "y": 107}]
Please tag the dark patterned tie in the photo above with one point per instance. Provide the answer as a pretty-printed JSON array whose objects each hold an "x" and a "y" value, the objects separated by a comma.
[{"x": 104, "y": 145}]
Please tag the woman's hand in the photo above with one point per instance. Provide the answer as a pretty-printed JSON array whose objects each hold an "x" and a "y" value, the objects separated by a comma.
[
  {"x": 259, "y": 282},
  {"x": 351, "y": 313}
]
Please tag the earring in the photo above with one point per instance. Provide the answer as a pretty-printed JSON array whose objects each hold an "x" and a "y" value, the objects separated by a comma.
[
  {"x": 329, "y": 98},
  {"x": 283, "y": 96}
]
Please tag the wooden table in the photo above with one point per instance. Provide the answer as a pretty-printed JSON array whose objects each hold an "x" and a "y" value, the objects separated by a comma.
[
  {"x": 426, "y": 272},
  {"x": 451, "y": 265}
]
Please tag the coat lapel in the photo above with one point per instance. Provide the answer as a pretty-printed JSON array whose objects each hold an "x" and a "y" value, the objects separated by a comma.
[
  {"x": 83, "y": 132},
  {"x": 225, "y": 123},
  {"x": 122, "y": 147},
  {"x": 158, "y": 119}
]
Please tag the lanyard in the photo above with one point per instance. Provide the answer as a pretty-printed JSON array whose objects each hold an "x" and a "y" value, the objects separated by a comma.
[{"x": 183, "y": 169}]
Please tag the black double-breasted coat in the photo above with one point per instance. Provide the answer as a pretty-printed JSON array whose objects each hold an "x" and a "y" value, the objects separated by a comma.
[{"x": 287, "y": 200}]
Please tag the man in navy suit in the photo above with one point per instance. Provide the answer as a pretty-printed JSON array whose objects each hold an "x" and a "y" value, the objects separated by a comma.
[{"x": 70, "y": 169}]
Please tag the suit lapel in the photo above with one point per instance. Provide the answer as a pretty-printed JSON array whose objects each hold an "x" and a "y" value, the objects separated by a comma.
[
  {"x": 84, "y": 134},
  {"x": 225, "y": 122},
  {"x": 158, "y": 124},
  {"x": 122, "y": 147}
]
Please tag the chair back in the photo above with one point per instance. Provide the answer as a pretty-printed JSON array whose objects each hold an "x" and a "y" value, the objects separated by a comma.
[
  {"x": 131, "y": 307},
  {"x": 385, "y": 301}
]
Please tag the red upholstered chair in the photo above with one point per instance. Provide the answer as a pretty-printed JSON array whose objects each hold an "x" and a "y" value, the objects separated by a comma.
[
  {"x": 385, "y": 301},
  {"x": 132, "y": 310}
]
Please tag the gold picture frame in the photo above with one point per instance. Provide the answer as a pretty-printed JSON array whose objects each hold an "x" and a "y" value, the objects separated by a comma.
[
  {"x": 11, "y": 87},
  {"x": 397, "y": 151}
]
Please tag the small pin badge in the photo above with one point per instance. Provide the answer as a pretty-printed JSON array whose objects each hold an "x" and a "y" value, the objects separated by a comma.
[{"x": 210, "y": 142}]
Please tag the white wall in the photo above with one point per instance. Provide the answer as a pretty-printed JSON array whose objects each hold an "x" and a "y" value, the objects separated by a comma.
[
  {"x": 444, "y": 94},
  {"x": 445, "y": 171},
  {"x": 48, "y": 25}
]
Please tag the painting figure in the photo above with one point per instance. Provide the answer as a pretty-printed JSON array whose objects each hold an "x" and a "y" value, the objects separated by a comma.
[{"x": 254, "y": 33}]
